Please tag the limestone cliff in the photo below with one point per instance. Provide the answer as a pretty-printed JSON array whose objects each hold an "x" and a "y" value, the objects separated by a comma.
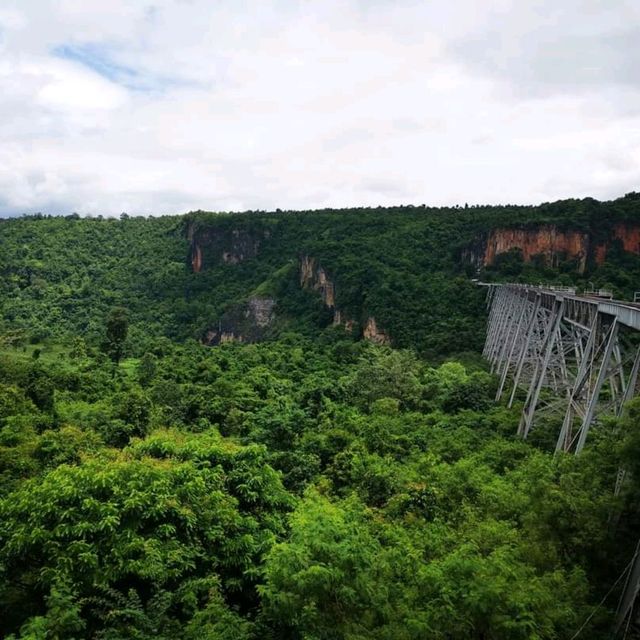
[
  {"x": 246, "y": 322},
  {"x": 214, "y": 245},
  {"x": 313, "y": 276},
  {"x": 373, "y": 333},
  {"x": 196, "y": 258},
  {"x": 551, "y": 243},
  {"x": 253, "y": 320},
  {"x": 339, "y": 320},
  {"x": 629, "y": 235}
]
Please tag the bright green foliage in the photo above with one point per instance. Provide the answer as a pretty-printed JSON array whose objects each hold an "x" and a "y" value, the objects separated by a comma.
[
  {"x": 326, "y": 579},
  {"x": 159, "y": 524},
  {"x": 417, "y": 513},
  {"x": 313, "y": 486},
  {"x": 345, "y": 574}
]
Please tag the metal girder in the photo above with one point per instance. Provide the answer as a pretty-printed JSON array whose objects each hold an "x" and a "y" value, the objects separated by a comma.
[
  {"x": 541, "y": 372},
  {"x": 569, "y": 353},
  {"x": 577, "y": 357},
  {"x": 629, "y": 593},
  {"x": 603, "y": 372}
]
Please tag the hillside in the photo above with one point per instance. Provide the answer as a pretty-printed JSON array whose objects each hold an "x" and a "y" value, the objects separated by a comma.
[
  {"x": 278, "y": 425},
  {"x": 406, "y": 268}
]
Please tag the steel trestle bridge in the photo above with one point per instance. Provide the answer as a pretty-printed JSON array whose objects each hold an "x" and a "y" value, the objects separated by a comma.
[{"x": 576, "y": 357}]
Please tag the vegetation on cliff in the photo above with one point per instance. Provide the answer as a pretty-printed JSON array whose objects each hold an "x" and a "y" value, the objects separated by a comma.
[{"x": 405, "y": 267}]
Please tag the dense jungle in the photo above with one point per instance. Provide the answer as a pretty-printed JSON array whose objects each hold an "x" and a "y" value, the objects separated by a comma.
[{"x": 279, "y": 425}]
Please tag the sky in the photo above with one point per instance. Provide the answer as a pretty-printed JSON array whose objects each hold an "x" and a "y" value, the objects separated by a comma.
[{"x": 166, "y": 106}]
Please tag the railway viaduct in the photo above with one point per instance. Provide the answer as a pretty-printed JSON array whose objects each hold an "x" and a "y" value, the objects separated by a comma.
[{"x": 574, "y": 359}]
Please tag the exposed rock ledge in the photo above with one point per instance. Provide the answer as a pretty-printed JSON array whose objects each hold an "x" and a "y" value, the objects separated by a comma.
[
  {"x": 372, "y": 333},
  {"x": 246, "y": 322},
  {"x": 551, "y": 244},
  {"x": 211, "y": 245},
  {"x": 313, "y": 276}
]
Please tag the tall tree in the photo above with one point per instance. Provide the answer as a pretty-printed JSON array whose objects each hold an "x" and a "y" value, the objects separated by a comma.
[{"x": 117, "y": 328}]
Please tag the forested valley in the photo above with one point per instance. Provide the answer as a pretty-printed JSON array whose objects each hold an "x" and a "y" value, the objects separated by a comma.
[{"x": 279, "y": 425}]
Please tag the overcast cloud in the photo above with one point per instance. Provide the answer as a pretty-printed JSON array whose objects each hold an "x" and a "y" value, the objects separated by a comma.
[{"x": 166, "y": 106}]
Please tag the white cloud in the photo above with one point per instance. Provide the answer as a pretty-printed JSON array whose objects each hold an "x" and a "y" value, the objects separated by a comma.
[
  {"x": 69, "y": 88},
  {"x": 172, "y": 105},
  {"x": 11, "y": 19}
]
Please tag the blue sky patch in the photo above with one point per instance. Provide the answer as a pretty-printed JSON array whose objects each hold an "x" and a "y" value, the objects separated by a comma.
[{"x": 99, "y": 58}]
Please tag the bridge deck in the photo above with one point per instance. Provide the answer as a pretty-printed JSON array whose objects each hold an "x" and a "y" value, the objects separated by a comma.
[{"x": 627, "y": 313}]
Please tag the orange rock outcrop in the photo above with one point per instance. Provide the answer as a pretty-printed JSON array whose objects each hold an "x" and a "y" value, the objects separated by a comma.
[
  {"x": 546, "y": 240},
  {"x": 630, "y": 236},
  {"x": 196, "y": 258},
  {"x": 553, "y": 244}
]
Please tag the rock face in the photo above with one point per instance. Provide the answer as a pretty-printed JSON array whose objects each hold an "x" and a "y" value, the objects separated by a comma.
[
  {"x": 213, "y": 245},
  {"x": 246, "y": 322},
  {"x": 629, "y": 235},
  {"x": 373, "y": 333},
  {"x": 260, "y": 311},
  {"x": 251, "y": 321},
  {"x": 553, "y": 244},
  {"x": 196, "y": 259},
  {"x": 313, "y": 276}
]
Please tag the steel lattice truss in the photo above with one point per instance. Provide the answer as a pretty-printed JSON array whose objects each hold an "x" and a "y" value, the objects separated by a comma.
[{"x": 577, "y": 357}]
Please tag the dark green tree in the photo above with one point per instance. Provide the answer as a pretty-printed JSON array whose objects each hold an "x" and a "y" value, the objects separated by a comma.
[
  {"x": 147, "y": 369},
  {"x": 40, "y": 389},
  {"x": 117, "y": 329}
]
